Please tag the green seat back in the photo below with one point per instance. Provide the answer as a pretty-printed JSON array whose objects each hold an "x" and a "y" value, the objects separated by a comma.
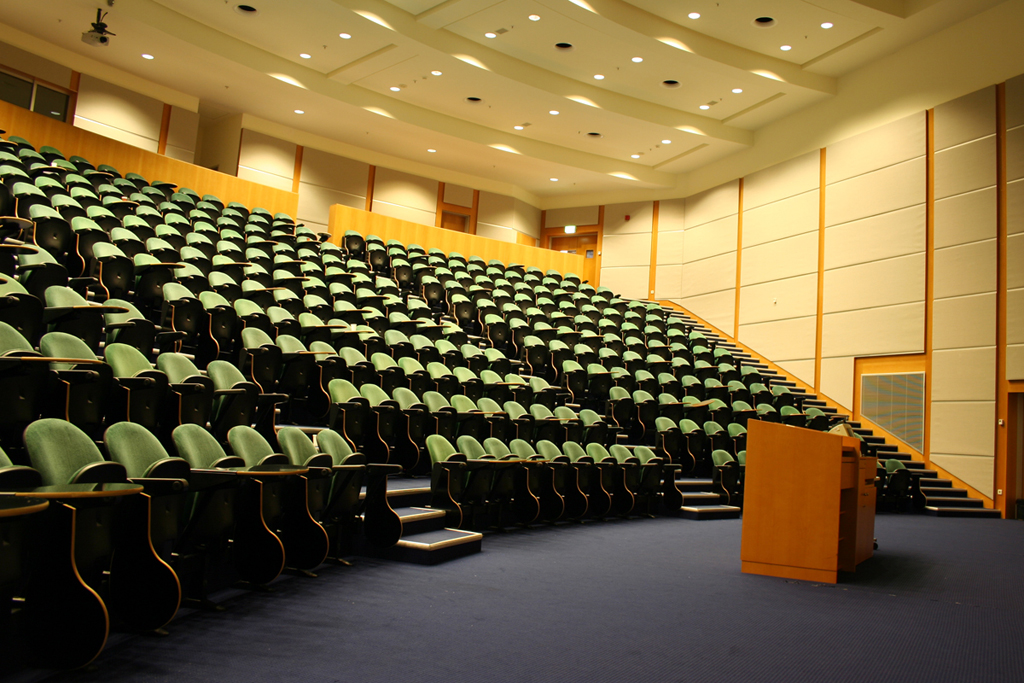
[{"x": 58, "y": 450}]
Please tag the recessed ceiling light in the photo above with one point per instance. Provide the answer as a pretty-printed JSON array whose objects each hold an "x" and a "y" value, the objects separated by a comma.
[
  {"x": 534, "y": 17},
  {"x": 595, "y": 135},
  {"x": 637, "y": 60},
  {"x": 306, "y": 56},
  {"x": 764, "y": 22},
  {"x": 786, "y": 48},
  {"x": 670, "y": 83},
  {"x": 634, "y": 156},
  {"x": 554, "y": 180},
  {"x": 705, "y": 106},
  {"x": 299, "y": 111},
  {"x": 246, "y": 10},
  {"x": 598, "y": 77},
  {"x": 436, "y": 73},
  {"x": 518, "y": 127},
  {"x": 490, "y": 34},
  {"x": 395, "y": 88},
  {"x": 564, "y": 47},
  {"x": 553, "y": 112},
  {"x": 147, "y": 56},
  {"x": 737, "y": 90},
  {"x": 694, "y": 15},
  {"x": 344, "y": 36},
  {"x": 827, "y": 24},
  {"x": 474, "y": 100},
  {"x": 431, "y": 150},
  {"x": 666, "y": 142}
]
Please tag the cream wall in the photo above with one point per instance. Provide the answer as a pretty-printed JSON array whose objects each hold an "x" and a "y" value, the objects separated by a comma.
[
  {"x": 405, "y": 196},
  {"x": 327, "y": 179},
  {"x": 266, "y": 160},
  {"x": 626, "y": 248},
  {"x": 1015, "y": 228},
  {"x": 502, "y": 217}
]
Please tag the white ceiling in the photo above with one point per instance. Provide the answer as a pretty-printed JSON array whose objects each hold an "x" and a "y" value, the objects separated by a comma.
[{"x": 252, "y": 64}]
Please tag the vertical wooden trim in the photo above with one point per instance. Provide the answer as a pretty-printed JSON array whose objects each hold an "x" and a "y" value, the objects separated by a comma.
[
  {"x": 929, "y": 276},
  {"x": 600, "y": 245},
  {"x": 544, "y": 242},
  {"x": 76, "y": 81},
  {"x": 238, "y": 157},
  {"x": 369, "y": 187},
  {"x": 739, "y": 263},
  {"x": 440, "y": 205},
  {"x": 165, "y": 126},
  {"x": 652, "y": 278},
  {"x": 1005, "y": 467},
  {"x": 297, "y": 171},
  {"x": 476, "y": 209},
  {"x": 820, "y": 314}
]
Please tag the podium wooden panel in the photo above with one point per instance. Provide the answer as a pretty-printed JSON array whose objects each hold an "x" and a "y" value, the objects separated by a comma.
[{"x": 809, "y": 503}]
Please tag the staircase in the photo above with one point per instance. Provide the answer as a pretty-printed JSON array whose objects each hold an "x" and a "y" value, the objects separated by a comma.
[
  {"x": 425, "y": 540},
  {"x": 931, "y": 494},
  {"x": 700, "y": 503}
]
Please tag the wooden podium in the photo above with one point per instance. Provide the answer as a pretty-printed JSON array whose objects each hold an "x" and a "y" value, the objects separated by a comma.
[{"x": 809, "y": 503}]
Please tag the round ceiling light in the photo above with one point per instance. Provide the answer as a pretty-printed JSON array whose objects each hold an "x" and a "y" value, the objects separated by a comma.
[
  {"x": 598, "y": 77},
  {"x": 705, "y": 106},
  {"x": 436, "y": 73},
  {"x": 827, "y": 24},
  {"x": 534, "y": 17},
  {"x": 299, "y": 111},
  {"x": 666, "y": 142},
  {"x": 432, "y": 151},
  {"x": 306, "y": 56},
  {"x": 637, "y": 60},
  {"x": 554, "y": 180},
  {"x": 518, "y": 127},
  {"x": 147, "y": 56},
  {"x": 634, "y": 156},
  {"x": 395, "y": 88},
  {"x": 786, "y": 48},
  {"x": 737, "y": 91},
  {"x": 553, "y": 112},
  {"x": 344, "y": 36},
  {"x": 490, "y": 34},
  {"x": 764, "y": 22},
  {"x": 694, "y": 15}
]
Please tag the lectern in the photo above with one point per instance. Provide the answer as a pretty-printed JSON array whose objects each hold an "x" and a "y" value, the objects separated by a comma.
[{"x": 809, "y": 503}]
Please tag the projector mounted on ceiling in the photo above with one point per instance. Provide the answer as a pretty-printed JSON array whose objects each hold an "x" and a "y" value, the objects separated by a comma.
[{"x": 99, "y": 36}]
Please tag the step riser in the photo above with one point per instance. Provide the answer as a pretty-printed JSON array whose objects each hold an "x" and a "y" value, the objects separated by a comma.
[
  {"x": 401, "y": 553},
  {"x": 702, "y": 515},
  {"x": 963, "y": 512}
]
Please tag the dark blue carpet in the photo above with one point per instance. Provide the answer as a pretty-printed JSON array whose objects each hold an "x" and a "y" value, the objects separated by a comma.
[{"x": 639, "y": 600}]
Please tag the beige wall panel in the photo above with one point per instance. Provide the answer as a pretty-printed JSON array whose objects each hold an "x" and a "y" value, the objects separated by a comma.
[
  {"x": 965, "y": 269},
  {"x": 780, "y": 259},
  {"x": 781, "y": 219},
  {"x": 710, "y": 275},
  {"x": 965, "y": 218},
  {"x": 1015, "y": 361},
  {"x": 963, "y": 427},
  {"x": 964, "y": 374},
  {"x": 966, "y": 118},
  {"x": 496, "y": 209},
  {"x": 670, "y": 247},
  {"x": 898, "y": 233},
  {"x": 879, "y": 283},
  {"x": 670, "y": 214},
  {"x": 626, "y": 250},
  {"x": 778, "y": 300},
  {"x": 269, "y": 155},
  {"x": 964, "y": 322},
  {"x": 118, "y": 107},
  {"x": 496, "y": 232},
  {"x": 629, "y": 282},
  {"x": 668, "y": 281},
  {"x": 1015, "y": 154},
  {"x": 43, "y": 69},
  {"x": 1015, "y": 207},
  {"x": 257, "y": 176},
  {"x": 801, "y": 369},
  {"x": 710, "y": 239},
  {"x": 716, "y": 308},
  {"x": 837, "y": 380},
  {"x": 315, "y": 202},
  {"x": 527, "y": 219},
  {"x": 857, "y": 333},
  {"x": 148, "y": 144},
  {"x": 977, "y": 471},
  {"x": 787, "y": 179},
  {"x": 712, "y": 204},
  {"x": 970, "y": 166},
  {"x": 579, "y": 215},
  {"x": 889, "y": 189},
  {"x": 641, "y": 218},
  {"x": 1014, "y": 261},
  {"x": 782, "y": 339},
  {"x": 405, "y": 189},
  {"x": 183, "y": 129},
  {"x": 335, "y": 172},
  {"x": 218, "y": 144},
  {"x": 181, "y": 154},
  {"x": 1015, "y": 316},
  {"x": 1015, "y": 101},
  {"x": 458, "y": 195},
  {"x": 886, "y": 145},
  {"x": 404, "y": 213}
]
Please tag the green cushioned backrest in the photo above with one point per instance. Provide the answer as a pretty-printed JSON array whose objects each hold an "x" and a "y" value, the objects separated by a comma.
[
  {"x": 470, "y": 447},
  {"x": 589, "y": 417},
  {"x": 545, "y": 448},
  {"x": 124, "y": 360},
  {"x": 351, "y": 356},
  {"x": 514, "y": 409},
  {"x": 712, "y": 427},
  {"x": 405, "y": 398},
  {"x": 296, "y": 445},
  {"x": 663, "y": 424},
  {"x": 892, "y": 464},
  {"x": 410, "y": 365},
  {"x": 720, "y": 457},
  {"x": 463, "y": 404},
  {"x": 766, "y": 408},
  {"x": 621, "y": 453},
  {"x": 437, "y": 370},
  {"x": 574, "y": 451},
  {"x": 786, "y": 411},
  {"x": 664, "y": 398},
  {"x": 341, "y": 390},
  {"x": 382, "y": 361},
  {"x": 496, "y": 447},
  {"x": 540, "y": 412},
  {"x": 133, "y": 446},
  {"x": 687, "y": 426},
  {"x": 248, "y": 444},
  {"x": 253, "y": 338},
  {"x": 490, "y": 377},
  {"x": 740, "y": 405},
  {"x": 196, "y": 445},
  {"x": 58, "y": 449},
  {"x": 374, "y": 394},
  {"x": 435, "y": 401},
  {"x": 716, "y": 404},
  {"x": 641, "y": 396},
  {"x": 489, "y": 405},
  {"x": 224, "y": 374},
  {"x": 63, "y": 345},
  {"x": 60, "y": 297},
  {"x": 811, "y": 412},
  {"x": 334, "y": 444},
  {"x": 176, "y": 366},
  {"x": 597, "y": 452},
  {"x": 564, "y": 413},
  {"x": 736, "y": 429},
  {"x": 523, "y": 449},
  {"x": 464, "y": 374}
]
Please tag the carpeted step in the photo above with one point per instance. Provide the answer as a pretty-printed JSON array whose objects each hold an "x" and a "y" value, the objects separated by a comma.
[
  {"x": 937, "y": 483},
  {"x": 434, "y": 547},
  {"x": 699, "y": 498},
  {"x": 408, "y": 492},
  {"x": 942, "y": 492},
  {"x": 686, "y": 485},
  {"x": 961, "y": 512},
  {"x": 418, "y": 520},
  {"x": 946, "y": 501},
  {"x": 703, "y": 512}
]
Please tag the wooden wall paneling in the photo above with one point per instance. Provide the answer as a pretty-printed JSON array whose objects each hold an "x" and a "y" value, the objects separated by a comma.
[
  {"x": 297, "y": 172},
  {"x": 370, "y": 177},
  {"x": 1005, "y": 467},
  {"x": 165, "y": 126},
  {"x": 440, "y": 205}
]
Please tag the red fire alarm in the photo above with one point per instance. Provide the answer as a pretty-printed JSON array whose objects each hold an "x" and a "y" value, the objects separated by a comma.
[{"x": 627, "y": 218}]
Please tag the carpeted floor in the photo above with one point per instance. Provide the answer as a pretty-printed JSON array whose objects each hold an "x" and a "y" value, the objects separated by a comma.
[{"x": 640, "y": 600}]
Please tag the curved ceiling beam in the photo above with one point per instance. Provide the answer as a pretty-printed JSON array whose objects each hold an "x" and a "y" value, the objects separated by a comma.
[
  {"x": 207, "y": 38},
  {"x": 504, "y": 65},
  {"x": 619, "y": 15}
]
